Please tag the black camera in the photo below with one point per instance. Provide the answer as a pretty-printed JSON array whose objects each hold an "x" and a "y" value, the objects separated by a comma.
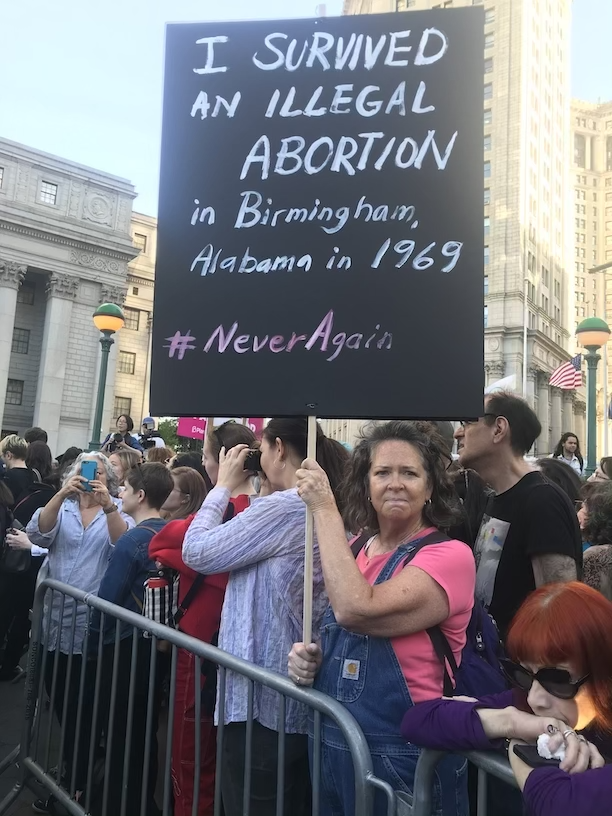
[
  {"x": 118, "y": 437},
  {"x": 147, "y": 439},
  {"x": 253, "y": 461}
]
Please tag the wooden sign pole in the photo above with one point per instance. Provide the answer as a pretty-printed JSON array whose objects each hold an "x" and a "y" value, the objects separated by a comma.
[{"x": 311, "y": 453}]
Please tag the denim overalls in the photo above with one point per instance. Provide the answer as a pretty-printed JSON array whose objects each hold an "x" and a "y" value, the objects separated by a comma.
[{"x": 363, "y": 674}]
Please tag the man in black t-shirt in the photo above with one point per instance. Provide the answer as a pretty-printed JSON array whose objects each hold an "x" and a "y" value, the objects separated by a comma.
[
  {"x": 17, "y": 476},
  {"x": 530, "y": 534}
]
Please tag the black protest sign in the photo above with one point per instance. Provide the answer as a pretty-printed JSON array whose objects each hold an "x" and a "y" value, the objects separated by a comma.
[{"x": 320, "y": 244}]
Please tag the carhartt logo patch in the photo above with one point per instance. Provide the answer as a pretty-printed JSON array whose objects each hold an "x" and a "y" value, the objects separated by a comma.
[{"x": 350, "y": 670}]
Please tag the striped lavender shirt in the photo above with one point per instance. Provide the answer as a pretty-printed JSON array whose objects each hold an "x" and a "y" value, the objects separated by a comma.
[{"x": 263, "y": 549}]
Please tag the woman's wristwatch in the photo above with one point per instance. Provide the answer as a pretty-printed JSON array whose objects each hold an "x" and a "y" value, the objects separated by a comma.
[{"x": 108, "y": 510}]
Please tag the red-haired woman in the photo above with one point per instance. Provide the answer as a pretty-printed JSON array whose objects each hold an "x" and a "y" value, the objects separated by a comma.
[{"x": 561, "y": 668}]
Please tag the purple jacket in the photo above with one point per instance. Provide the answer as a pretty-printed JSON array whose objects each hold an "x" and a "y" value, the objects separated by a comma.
[{"x": 448, "y": 725}]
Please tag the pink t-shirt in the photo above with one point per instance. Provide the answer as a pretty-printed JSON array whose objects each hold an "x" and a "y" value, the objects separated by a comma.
[{"x": 451, "y": 565}]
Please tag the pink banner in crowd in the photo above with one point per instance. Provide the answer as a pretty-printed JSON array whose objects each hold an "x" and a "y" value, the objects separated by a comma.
[{"x": 195, "y": 427}]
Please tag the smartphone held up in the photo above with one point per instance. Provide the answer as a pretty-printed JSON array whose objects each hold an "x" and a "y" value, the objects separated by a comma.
[{"x": 88, "y": 471}]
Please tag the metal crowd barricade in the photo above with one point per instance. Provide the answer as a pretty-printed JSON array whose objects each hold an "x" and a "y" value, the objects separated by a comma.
[
  {"x": 42, "y": 746},
  {"x": 488, "y": 763}
]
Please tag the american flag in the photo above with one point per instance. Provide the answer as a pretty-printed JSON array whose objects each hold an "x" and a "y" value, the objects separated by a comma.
[{"x": 568, "y": 375}]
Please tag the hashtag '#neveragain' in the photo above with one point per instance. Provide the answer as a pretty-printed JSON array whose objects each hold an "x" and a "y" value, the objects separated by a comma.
[{"x": 179, "y": 343}]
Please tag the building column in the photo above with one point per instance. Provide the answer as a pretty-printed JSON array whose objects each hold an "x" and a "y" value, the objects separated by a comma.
[
  {"x": 569, "y": 422},
  {"x": 61, "y": 292},
  {"x": 494, "y": 371},
  {"x": 11, "y": 277},
  {"x": 543, "y": 445},
  {"x": 580, "y": 421},
  {"x": 532, "y": 384},
  {"x": 556, "y": 420}
]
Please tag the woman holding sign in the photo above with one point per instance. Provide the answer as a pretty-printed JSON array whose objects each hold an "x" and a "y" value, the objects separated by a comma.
[
  {"x": 402, "y": 578},
  {"x": 263, "y": 550}
]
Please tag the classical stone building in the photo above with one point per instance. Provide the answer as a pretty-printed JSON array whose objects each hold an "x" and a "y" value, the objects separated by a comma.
[
  {"x": 65, "y": 245},
  {"x": 526, "y": 152},
  {"x": 132, "y": 349}
]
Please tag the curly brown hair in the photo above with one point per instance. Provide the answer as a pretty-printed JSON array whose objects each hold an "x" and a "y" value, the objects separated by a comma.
[
  {"x": 598, "y": 525},
  {"x": 444, "y": 509}
]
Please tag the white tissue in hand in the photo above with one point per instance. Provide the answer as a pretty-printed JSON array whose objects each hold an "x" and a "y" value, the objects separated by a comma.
[{"x": 544, "y": 750}]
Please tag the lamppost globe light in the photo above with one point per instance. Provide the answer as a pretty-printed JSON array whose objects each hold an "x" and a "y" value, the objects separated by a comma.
[
  {"x": 593, "y": 332},
  {"x": 108, "y": 317}
]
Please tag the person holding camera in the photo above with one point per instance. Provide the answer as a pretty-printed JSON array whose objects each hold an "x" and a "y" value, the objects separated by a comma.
[
  {"x": 263, "y": 550},
  {"x": 123, "y": 438},
  {"x": 150, "y": 438},
  {"x": 200, "y": 601}
]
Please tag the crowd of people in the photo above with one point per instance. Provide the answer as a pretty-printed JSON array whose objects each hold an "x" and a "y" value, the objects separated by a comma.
[{"x": 414, "y": 549}]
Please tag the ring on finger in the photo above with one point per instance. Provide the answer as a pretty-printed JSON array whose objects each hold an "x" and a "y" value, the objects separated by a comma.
[
  {"x": 297, "y": 679},
  {"x": 569, "y": 731}
]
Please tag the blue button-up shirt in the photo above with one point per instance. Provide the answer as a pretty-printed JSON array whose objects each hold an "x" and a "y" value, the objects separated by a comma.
[
  {"x": 263, "y": 549},
  {"x": 77, "y": 556}
]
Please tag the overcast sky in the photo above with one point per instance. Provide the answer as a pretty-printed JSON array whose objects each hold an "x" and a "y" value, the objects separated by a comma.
[{"x": 83, "y": 80}]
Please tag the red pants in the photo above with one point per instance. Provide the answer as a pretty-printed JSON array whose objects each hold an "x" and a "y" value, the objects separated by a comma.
[{"x": 183, "y": 742}]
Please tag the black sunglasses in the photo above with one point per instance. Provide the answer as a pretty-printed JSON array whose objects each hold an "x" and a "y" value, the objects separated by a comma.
[
  {"x": 557, "y": 682},
  {"x": 466, "y": 422}
]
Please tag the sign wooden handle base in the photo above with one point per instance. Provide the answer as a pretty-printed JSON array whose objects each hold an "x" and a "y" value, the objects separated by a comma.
[{"x": 311, "y": 452}]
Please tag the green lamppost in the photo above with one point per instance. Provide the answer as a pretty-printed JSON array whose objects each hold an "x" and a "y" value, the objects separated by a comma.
[
  {"x": 592, "y": 333},
  {"x": 108, "y": 318}
]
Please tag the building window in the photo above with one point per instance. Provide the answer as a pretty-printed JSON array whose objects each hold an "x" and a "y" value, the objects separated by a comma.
[
  {"x": 140, "y": 241},
  {"x": 487, "y": 143},
  {"x": 135, "y": 290},
  {"x": 1, "y": 175},
  {"x": 25, "y": 294},
  {"x": 486, "y": 316},
  {"x": 132, "y": 318},
  {"x": 579, "y": 150},
  {"x": 487, "y": 195},
  {"x": 486, "y": 255},
  {"x": 127, "y": 362},
  {"x": 123, "y": 405},
  {"x": 488, "y": 116},
  {"x": 489, "y": 16},
  {"x": 48, "y": 192},
  {"x": 487, "y": 225},
  {"x": 14, "y": 392},
  {"x": 488, "y": 90},
  {"x": 489, "y": 40},
  {"x": 487, "y": 169},
  {"x": 21, "y": 341},
  {"x": 486, "y": 284},
  {"x": 489, "y": 65}
]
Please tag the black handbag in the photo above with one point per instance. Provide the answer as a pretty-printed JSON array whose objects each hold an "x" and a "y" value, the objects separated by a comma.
[{"x": 14, "y": 562}]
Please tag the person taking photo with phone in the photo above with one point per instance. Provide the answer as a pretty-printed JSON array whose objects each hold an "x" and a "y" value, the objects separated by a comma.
[{"x": 78, "y": 527}]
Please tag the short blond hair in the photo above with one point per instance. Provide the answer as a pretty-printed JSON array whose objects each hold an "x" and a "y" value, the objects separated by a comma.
[{"x": 15, "y": 445}]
